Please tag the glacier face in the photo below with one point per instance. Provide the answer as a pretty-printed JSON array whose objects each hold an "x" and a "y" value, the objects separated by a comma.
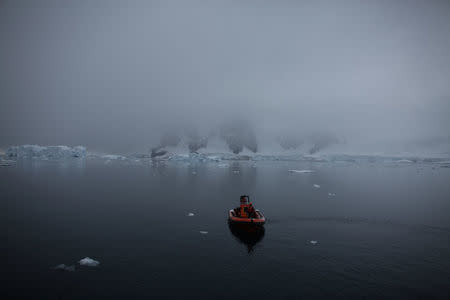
[
  {"x": 48, "y": 152},
  {"x": 13, "y": 153}
]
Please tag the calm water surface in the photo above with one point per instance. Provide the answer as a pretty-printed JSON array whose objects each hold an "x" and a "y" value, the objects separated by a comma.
[{"x": 382, "y": 231}]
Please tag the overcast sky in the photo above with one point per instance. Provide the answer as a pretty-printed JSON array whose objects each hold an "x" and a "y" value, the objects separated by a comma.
[{"x": 112, "y": 75}]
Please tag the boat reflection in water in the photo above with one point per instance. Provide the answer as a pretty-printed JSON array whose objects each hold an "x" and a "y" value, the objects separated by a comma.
[{"x": 248, "y": 234}]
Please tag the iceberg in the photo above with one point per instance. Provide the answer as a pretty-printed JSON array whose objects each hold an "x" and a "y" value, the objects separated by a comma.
[
  {"x": 301, "y": 171},
  {"x": 404, "y": 161},
  {"x": 46, "y": 152},
  {"x": 204, "y": 232},
  {"x": 221, "y": 159},
  {"x": 316, "y": 186},
  {"x": 191, "y": 214},
  {"x": 89, "y": 262},
  {"x": 313, "y": 242}
]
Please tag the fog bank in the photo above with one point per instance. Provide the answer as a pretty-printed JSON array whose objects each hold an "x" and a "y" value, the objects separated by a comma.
[{"x": 117, "y": 76}]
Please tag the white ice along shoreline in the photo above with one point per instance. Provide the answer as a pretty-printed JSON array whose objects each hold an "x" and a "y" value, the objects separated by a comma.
[
  {"x": 45, "y": 152},
  {"x": 222, "y": 159},
  {"x": 6, "y": 162}
]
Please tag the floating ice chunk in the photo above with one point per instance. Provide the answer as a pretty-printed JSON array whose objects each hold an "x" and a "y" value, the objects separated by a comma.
[
  {"x": 194, "y": 173},
  {"x": 63, "y": 267},
  {"x": 331, "y": 194},
  {"x": 89, "y": 262},
  {"x": 223, "y": 165},
  {"x": 301, "y": 171},
  {"x": 404, "y": 161},
  {"x": 313, "y": 242},
  {"x": 316, "y": 186},
  {"x": 53, "y": 152},
  {"x": 191, "y": 214},
  {"x": 204, "y": 232},
  {"x": 236, "y": 171}
]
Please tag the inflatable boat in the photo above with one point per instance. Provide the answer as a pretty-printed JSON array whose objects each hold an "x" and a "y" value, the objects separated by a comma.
[{"x": 259, "y": 219}]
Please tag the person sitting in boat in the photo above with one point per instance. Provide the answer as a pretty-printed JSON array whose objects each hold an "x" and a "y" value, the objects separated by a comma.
[
  {"x": 251, "y": 211},
  {"x": 246, "y": 210},
  {"x": 243, "y": 212},
  {"x": 246, "y": 213}
]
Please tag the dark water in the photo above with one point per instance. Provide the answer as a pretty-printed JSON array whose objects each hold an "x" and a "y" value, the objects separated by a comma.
[{"x": 385, "y": 234}]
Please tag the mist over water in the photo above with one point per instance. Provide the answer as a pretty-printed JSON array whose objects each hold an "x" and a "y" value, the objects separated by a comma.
[
  {"x": 116, "y": 77},
  {"x": 130, "y": 129}
]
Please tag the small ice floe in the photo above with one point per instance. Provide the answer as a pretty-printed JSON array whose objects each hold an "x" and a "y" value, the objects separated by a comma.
[
  {"x": 89, "y": 262},
  {"x": 317, "y": 186},
  {"x": 313, "y": 242},
  {"x": 63, "y": 267},
  {"x": 223, "y": 165},
  {"x": 301, "y": 171},
  {"x": 236, "y": 171},
  {"x": 190, "y": 214},
  {"x": 194, "y": 173},
  {"x": 331, "y": 194},
  {"x": 404, "y": 161},
  {"x": 204, "y": 232}
]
